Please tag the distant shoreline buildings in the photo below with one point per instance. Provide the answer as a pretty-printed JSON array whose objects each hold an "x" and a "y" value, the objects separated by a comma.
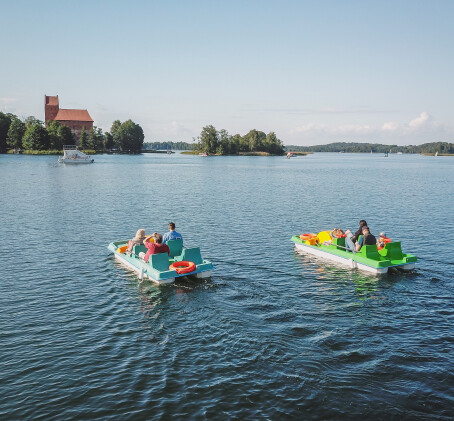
[{"x": 74, "y": 119}]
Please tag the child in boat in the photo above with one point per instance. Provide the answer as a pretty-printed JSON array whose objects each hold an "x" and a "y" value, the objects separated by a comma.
[
  {"x": 381, "y": 240},
  {"x": 137, "y": 240}
]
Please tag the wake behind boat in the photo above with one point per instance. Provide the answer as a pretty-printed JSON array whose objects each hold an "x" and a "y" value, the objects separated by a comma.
[
  {"x": 368, "y": 259},
  {"x": 72, "y": 155},
  {"x": 162, "y": 268}
]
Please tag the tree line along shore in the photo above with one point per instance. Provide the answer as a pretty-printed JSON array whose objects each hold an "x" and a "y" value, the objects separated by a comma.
[
  {"x": 442, "y": 148},
  {"x": 32, "y": 136}
]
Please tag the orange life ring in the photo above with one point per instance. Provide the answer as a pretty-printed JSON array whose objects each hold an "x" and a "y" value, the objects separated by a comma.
[
  {"x": 183, "y": 267},
  {"x": 307, "y": 237}
]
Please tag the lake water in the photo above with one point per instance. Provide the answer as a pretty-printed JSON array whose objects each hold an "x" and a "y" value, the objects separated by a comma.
[{"x": 273, "y": 335}]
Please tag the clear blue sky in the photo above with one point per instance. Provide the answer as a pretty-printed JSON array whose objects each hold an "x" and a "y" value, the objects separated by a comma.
[{"x": 312, "y": 71}]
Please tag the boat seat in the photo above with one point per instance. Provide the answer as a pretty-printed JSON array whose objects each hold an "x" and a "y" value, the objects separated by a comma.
[
  {"x": 175, "y": 246},
  {"x": 371, "y": 252},
  {"x": 159, "y": 261},
  {"x": 393, "y": 251},
  {"x": 137, "y": 249},
  {"x": 339, "y": 242},
  {"x": 191, "y": 255}
]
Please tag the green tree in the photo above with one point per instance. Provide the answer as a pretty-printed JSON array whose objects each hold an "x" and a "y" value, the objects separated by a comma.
[
  {"x": 108, "y": 142},
  {"x": 224, "y": 142},
  {"x": 255, "y": 139},
  {"x": 53, "y": 129},
  {"x": 273, "y": 145},
  {"x": 235, "y": 142},
  {"x": 16, "y": 132},
  {"x": 30, "y": 121},
  {"x": 83, "y": 139},
  {"x": 36, "y": 137},
  {"x": 129, "y": 137},
  {"x": 66, "y": 135},
  {"x": 115, "y": 126},
  {"x": 209, "y": 140},
  {"x": 96, "y": 139},
  {"x": 5, "y": 122}
]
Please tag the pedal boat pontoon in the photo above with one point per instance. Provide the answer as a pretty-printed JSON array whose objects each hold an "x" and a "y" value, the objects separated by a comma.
[
  {"x": 72, "y": 155},
  {"x": 368, "y": 259},
  {"x": 157, "y": 267}
]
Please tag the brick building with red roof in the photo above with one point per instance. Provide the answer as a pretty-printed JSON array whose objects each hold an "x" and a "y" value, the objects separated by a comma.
[{"x": 74, "y": 119}]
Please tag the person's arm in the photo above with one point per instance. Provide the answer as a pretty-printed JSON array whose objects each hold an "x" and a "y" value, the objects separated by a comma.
[
  {"x": 359, "y": 244},
  {"x": 356, "y": 235}
]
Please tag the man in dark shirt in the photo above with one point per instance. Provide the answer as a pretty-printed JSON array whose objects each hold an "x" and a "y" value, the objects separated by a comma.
[
  {"x": 366, "y": 240},
  {"x": 362, "y": 224}
]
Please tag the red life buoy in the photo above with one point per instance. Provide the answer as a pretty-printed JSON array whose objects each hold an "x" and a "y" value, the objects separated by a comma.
[
  {"x": 183, "y": 267},
  {"x": 307, "y": 237}
]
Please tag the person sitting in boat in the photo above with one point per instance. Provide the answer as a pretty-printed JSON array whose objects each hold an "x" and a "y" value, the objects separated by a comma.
[
  {"x": 172, "y": 234},
  {"x": 154, "y": 245},
  {"x": 137, "y": 240},
  {"x": 335, "y": 233},
  {"x": 362, "y": 224},
  {"x": 367, "y": 239},
  {"x": 381, "y": 240},
  {"x": 349, "y": 244}
]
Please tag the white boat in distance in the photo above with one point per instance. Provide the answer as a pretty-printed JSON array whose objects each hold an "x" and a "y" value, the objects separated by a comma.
[{"x": 72, "y": 155}]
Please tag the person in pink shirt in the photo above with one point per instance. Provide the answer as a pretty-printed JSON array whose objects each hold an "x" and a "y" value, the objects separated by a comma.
[{"x": 155, "y": 247}]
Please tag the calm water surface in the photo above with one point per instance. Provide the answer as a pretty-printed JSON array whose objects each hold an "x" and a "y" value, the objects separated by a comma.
[{"x": 273, "y": 335}]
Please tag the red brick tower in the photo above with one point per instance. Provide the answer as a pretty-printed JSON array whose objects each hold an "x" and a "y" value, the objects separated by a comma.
[{"x": 51, "y": 107}]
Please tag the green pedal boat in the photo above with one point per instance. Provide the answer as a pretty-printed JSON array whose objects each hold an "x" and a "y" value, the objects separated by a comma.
[
  {"x": 162, "y": 268},
  {"x": 368, "y": 259}
]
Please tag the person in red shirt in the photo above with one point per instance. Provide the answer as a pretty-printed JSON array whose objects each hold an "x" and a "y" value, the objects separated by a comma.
[{"x": 155, "y": 247}]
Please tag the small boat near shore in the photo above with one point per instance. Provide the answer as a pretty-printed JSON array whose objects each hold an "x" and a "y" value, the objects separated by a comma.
[
  {"x": 72, "y": 155},
  {"x": 162, "y": 268},
  {"x": 368, "y": 259}
]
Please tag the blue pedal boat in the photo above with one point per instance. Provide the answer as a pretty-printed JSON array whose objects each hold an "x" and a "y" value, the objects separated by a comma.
[{"x": 157, "y": 269}]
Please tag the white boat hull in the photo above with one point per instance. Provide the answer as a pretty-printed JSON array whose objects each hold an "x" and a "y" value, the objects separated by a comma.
[
  {"x": 141, "y": 274},
  {"x": 76, "y": 161},
  {"x": 345, "y": 262}
]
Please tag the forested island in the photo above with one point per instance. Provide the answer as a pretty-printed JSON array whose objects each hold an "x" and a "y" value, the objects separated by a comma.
[
  {"x": 426, "y": 148},
  {"x": 34, "y": 137},
  {"x": 214, "y": 142}
]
